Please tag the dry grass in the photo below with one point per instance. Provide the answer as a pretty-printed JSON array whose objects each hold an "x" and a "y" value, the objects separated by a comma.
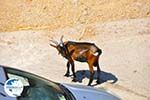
[{"x": 54, "y": 14}]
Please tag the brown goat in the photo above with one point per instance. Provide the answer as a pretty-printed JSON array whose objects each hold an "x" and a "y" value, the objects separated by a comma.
[{"x": 82, "y": 52}]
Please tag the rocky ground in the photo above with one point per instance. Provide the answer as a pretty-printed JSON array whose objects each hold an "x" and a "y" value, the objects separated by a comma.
[{"x": 125, "y": 58}]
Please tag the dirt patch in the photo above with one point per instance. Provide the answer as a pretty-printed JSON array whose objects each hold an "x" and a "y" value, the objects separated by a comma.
[{"x": 125, "y": 58}]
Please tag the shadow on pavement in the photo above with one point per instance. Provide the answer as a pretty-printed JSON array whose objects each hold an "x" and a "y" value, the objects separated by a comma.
[{"x": 104, "y": 76}]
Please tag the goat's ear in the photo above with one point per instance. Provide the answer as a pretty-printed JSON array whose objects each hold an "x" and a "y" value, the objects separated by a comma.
[
  {"x": 53, "y": 45},
  {"x": 55, "y": 42},
  {"x": 52, "y": 42}
]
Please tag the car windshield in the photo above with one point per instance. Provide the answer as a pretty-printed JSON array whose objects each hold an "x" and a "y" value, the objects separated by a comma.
[{"x": 35, "y": 87}]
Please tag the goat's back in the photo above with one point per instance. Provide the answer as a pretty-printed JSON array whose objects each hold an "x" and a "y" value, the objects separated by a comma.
[{"x": 71, "y": 45}]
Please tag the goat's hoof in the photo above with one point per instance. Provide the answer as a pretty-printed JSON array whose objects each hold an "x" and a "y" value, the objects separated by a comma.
[
  {"x": 67, "y": 75},
  {"x": 74, "y": 80},
  {"x": 98, "y": 82},
  {"x": 89, "y": 85}
]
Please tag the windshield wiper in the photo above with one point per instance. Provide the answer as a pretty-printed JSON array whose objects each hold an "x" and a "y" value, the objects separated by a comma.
[
  {"x": 2, "y": 84},
  {"x": 1, "y": 92}
]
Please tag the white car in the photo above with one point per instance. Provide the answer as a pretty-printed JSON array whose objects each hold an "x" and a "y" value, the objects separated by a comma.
[{"x": 19, "y": 85}]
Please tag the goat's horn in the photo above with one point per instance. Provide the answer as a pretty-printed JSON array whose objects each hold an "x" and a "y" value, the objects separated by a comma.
[
  {"x": 61, "y": 39},
  {"x": 54, "y": 42}
]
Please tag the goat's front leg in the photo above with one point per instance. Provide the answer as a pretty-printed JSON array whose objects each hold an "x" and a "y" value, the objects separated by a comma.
[
  {"x": 68, "y": 72},
  {"x": 73, "y": 71}
]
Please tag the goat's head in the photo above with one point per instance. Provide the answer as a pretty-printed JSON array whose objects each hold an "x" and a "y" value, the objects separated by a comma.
[{"x": 59, "y": 46}]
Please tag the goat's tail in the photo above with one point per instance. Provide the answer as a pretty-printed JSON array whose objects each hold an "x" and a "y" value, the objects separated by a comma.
[{"x": 99, "y": 51}]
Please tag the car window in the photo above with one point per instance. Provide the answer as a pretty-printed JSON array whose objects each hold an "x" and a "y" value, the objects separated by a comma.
[
  {"x": 23, "y": 79},
  {"x": 35, "y": 88},
  {"x": 3, "y": 94}
]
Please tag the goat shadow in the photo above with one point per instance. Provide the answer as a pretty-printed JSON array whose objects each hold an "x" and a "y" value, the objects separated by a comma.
[{"x": 104, "y": 76}]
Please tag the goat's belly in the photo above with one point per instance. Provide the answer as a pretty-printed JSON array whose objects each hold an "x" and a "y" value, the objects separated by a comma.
[{"x": 81, "y": 59}]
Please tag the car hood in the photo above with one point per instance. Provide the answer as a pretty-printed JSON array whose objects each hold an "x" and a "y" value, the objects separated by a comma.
[{"x": 90, "y": 93}]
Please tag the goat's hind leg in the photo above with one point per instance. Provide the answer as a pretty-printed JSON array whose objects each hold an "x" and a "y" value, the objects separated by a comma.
[
  {"x": 91, "y": 74},
  {"x": 91, "y": 78},
  {"x": 98, "y": 73}
]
